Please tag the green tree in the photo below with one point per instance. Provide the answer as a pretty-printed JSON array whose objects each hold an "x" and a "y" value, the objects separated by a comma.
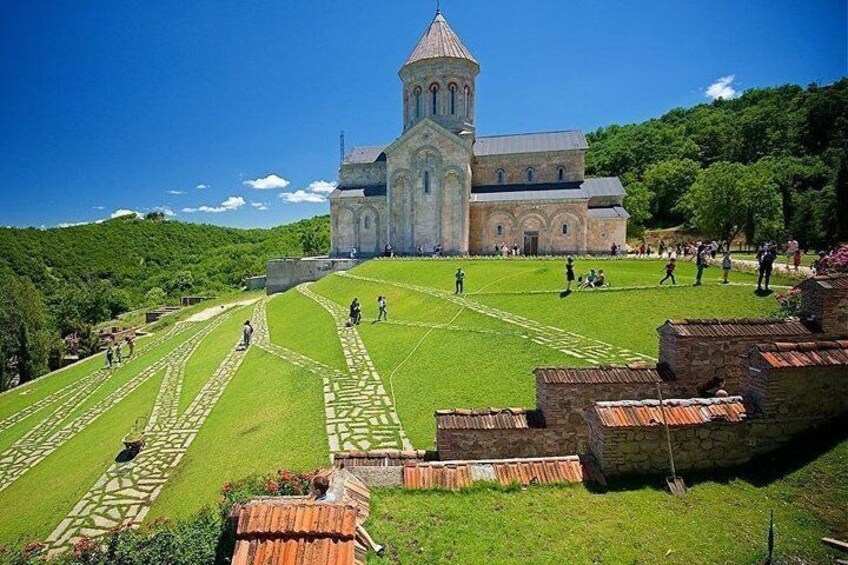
[
  {"x": 24, "y": 336},
  {"x": 668, "y": 181},
  {"x": 638, "y": 203},
  {"x": 841, "y": 207},
  {"x": 155, "y": 297}
]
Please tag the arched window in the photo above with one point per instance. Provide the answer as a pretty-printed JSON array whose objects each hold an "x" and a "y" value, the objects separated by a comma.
[
  {"x": 452, "y": 89},
  {"x": 499, "y": 230},
  {"x": 467, "y": 105},
  {"x": 561, "y": 175},
  {"x": 434, "y": 89},
  {"x": 501, "y": 176},
  {"x": 564, "y": 229},
  {"x": 417, "y": 94},
  {"x": 426, "y": 182},
  {"x": 366, "y": 222},
  {"x": 530, "y": 175}
]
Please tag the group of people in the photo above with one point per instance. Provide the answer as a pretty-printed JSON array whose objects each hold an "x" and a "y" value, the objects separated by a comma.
[
  {"x": 503, "y": 250},
  {"x": 114, "y": 351},
  {"x": 355, "y": 311}
]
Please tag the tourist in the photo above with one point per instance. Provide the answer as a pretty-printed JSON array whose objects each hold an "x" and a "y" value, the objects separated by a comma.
[
  {"x": 669, "y": 271},
  {"x": 650, "y": 251},
  {"x": 353, "y": 252},
  {"x": 420, "y": 251},
  {"x": 700, "y": 263},
  {"x": 504, "y": 251},
  {"x": 118, "y": 352},
  {"x": 569, "y": 272},
  {"x": 130, "y": 340},
  {"x": 766, "y": 265},
  {"x": 792, "y": 246},
  {"x": 600, "y": 279},
  {"x": 460, "y": 281},
  {"x": 388, "y": 251},
  {"x": 662, "y": 248},
  {"x": 382, "y": 313},
  {"x": 726, "y": 264},
  {"x": 246, "y": 332},
  {"x": 796, "y": 259},
  {"x": 355, "y": 312},
  {"x": 613, "y": 249},
  {"x": 497, "y": 250},
  {"x": 713, "y": 249},
  {"x": 817, "y": 264},
  {"x": 109, "y": 354},
  {"x": 320, "y": 493},
  {"x": 589, "y": 280}
]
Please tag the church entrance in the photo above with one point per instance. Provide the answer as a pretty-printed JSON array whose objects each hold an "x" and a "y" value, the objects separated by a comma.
[{"x": 531, "y": 243}]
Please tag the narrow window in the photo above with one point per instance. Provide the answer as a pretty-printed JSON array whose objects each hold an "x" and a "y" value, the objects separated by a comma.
[
  {"x": 530, "y": 175},
  {"x": 367, "y": 222},
  {"x": 417, "y": 93},
  {"x": 564, "y": 229},
  {"x": 426, "y": 182},
  {"x": 452, "y": 89},
  {"x": 561, "y": 175},
  {"x": 434, "y": 88},
  {"x": 467, "y": 92},
  {"x": 499, "y": 230},
  {"x": 500, "y": 176}
]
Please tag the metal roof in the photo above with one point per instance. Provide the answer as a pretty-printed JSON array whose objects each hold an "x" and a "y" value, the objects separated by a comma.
[
  {"x": 606, "y": 212},
  {"x": 364, "y": 154},
  {"x": 359, "y": 191},
  {"x": 588, "y": 188},
  {"x": 440, "y": 41},
  {"x": 530, "y": 142}
]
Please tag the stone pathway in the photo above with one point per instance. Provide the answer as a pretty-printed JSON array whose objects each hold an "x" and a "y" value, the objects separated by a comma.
[
  {"x": 49, "y": 434},
  {"x": 360, "y": 414},
  {"x": 99, "y": 376},
  {"x": 591, "y": 350},
  {"x": 124, "y": 493}
]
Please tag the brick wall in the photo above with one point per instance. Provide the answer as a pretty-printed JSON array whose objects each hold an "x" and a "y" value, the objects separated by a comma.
[
  {"x": 500, "y": 443},
  {"x": 825, "y": 303}
]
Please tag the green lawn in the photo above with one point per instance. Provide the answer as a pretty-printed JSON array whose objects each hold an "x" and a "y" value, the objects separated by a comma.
[{"x": 298, "y": 323}]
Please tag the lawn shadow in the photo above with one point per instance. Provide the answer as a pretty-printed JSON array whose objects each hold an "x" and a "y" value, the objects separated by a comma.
[
  {"x": 565, "y": 293},
  {"x": 763, "y": 292},
  {"x": 126, "y": 455}
]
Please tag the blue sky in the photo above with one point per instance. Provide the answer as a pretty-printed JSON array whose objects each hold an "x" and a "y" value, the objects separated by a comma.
[{"x": 109, "y": 106}]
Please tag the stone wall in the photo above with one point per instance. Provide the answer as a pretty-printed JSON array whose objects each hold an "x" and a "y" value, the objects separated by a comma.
[
  {"x": 545, "y": 167},
  {"x": 283, "y": 274},
  {"x": 500, "y": 443},
  {"x": 825, "y": 303},
  {"x": 547, "y": 218},
  {"x": 362, "y": 174},
  {"x": 254, "y": 283},
  {"x": 602, "y": 233},
  {"x": 360, "y": 222}
]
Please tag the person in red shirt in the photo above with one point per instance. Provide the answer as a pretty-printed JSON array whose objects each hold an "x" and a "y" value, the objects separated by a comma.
[{"x": 669, "y": 272}]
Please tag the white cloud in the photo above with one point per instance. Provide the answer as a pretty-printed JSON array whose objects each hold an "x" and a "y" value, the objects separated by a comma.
[
  {"x": 299, "y": 196},
  {"x": 124, "y": 212},
  {"x": 228, "y": 205},
  {"x": 99, "y": 207},
  {"x": 259, "y": 205},
  {"x": 321, "y": 187},
  {"x": 202, "y": 186},
  {"x": 176, "y": 192},
  {"x": 722, "y": 88},
  {"x": 70, "y": 224},
  {"x": 165, "y": 210},
  {"x": 270, "y": 182}
]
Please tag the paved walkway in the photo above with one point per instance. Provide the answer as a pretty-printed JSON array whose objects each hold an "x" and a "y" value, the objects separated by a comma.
[
  {"x": 360, "y": 414},
  {"x": 591, "y": 350},
  {"x": 124, "y": 493}
]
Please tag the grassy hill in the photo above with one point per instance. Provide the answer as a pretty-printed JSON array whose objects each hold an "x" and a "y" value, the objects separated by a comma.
[{"x": 433, "y": 353}]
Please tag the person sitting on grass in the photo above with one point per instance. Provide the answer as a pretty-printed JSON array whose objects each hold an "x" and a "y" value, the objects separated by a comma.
[
  {"x": 669, "y": 271},
  {"x": 726, "y": 264},
  {"x": 320, "y": 493},
  {"x": 600, "y": 279},
  {"x": 589, "y": 279}
]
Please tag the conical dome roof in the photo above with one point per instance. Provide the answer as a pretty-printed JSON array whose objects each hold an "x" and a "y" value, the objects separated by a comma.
[{"x": 440, "y": 41}]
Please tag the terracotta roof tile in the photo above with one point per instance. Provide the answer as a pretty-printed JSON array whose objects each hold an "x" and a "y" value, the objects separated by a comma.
[
  {"x": 302, "y": 518},
  {"x": 424, "y": 476},
  {"x": 636, "y": 373},
  {"x": 689, "y": 412},
  {"x": 838, "y": 281},
  {"x": 805, "y": 354},
  {"x": 486, "y": 419},
  {"x": 295, "y": 551},
  {"x": 440, "y": 41},
  {"x": 377, "y": 458},
  {"x": 740, "y": 327}
]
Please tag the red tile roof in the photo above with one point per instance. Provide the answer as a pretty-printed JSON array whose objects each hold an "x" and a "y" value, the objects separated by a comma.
[
  {"x": 296, "y": 551},
  {"x": 689, "y": 412},
  {"x": 635, "y": 373},
  {"x": 454, "y": 475},
  {"x": 805, "y": 354},
  {"x": 740, "y": 327},
  {"x": 486, "y": 419},
  {"x": 377, "y": 458},
  {"x": 838, "y": 281},
  {"x": 301, "y": 518}
]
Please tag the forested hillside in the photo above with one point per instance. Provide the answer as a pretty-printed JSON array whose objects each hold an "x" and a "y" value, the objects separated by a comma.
[
  {"x": 64, "y": 280},
  {"x": 765, "y": 164}
]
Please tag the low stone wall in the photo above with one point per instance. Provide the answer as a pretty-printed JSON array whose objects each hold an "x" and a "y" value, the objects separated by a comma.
[
  {"x": 254, "y": 283},
  {"x": 501, "y": 443},
  {"x": 825, "y": 303},
  {"x": 283, "y": 274}
]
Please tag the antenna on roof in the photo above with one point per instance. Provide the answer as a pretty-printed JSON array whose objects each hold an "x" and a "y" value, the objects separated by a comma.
[{"x": 341, "y": 148}]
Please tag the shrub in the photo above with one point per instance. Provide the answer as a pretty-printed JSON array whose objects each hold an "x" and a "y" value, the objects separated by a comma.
[{"x": 790, "y": 303}]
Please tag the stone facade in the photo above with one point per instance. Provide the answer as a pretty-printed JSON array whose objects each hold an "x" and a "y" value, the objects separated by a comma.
[{"x": 439, "y": 184}]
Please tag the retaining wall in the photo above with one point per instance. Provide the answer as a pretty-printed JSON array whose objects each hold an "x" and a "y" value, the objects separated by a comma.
[{"x": 283, "y": 274}]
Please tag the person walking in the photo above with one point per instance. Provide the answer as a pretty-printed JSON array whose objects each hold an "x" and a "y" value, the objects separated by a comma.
[
  {"x": 109, "y": 355},
  {"x": 669, "y": 271},
  {"x": 460, "y": 281},
  {"x": 796, "y": 259},
  {"x": 130, "y": 340},
  {"x": 382, "y": 313},
  {"x": 569, "y": 272},
  {"x": 700, "y": 263},
  {"x": 766, "y": 265},
  {"x": 246, "y": 332},
  {"x": 726, "y": 264},
  {"x": 118, "y": 351},
  {"x": 355, "y": 312}
]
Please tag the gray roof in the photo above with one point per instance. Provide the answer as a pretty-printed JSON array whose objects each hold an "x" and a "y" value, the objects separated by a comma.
[
  {"x": 359, "y": 191},
  {"x": 440, "y": 41},
  {"x": 364, "y": 154},
  {"x": 530, "y": 142},
  {"x": 608, "y": 212},
  {"x": 591, "y": 188}
]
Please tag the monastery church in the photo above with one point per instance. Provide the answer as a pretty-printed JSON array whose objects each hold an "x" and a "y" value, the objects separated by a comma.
[{"x": 441, "y": 184}]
